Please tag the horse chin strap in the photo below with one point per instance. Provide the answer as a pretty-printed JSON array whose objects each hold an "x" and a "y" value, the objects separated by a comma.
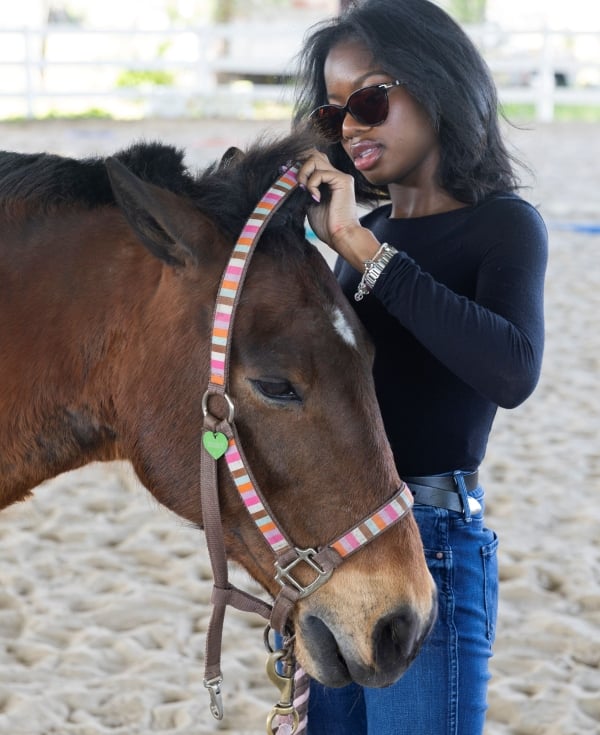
[{"x": 220, "y": 439}]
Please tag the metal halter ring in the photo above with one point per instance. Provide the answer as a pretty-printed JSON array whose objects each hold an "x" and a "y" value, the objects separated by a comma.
[{"x": 228, "y": 401}]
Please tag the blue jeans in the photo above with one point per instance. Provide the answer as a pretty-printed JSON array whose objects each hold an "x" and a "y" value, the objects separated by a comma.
[{"x": 444, "y": 690}]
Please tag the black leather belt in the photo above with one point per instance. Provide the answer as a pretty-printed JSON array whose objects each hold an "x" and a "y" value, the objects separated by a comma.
[{"x": 441, "y": 491}]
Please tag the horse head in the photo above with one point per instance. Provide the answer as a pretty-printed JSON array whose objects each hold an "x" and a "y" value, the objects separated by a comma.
[{"x": 305, "y": 408}]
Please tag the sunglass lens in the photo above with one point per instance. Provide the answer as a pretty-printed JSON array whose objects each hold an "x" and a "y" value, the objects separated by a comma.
[{"x": 369, "y": 105}]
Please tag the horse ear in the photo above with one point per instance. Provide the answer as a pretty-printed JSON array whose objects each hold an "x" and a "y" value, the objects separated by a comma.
[
  {"x": 231, "y": 156},
  {"x": 166, "y": 223}
]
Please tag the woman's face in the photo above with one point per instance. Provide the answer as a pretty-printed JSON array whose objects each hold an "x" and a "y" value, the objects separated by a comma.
[{"x": 402, "y": 150}]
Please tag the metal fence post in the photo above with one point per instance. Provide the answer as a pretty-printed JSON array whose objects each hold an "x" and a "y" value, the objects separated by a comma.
[{"x": 29, "y": 67}]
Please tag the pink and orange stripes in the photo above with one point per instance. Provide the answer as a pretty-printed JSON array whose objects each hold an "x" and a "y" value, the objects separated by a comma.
[
  {"x": 235, "y": 272},
  {"x": 254, "y": 505},
  {"x": 382, "y": 518}
]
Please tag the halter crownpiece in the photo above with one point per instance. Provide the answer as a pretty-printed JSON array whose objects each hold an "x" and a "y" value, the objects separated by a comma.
[
  {"x": 220, "y": 439},
  {"x": 235, "y": 272}
]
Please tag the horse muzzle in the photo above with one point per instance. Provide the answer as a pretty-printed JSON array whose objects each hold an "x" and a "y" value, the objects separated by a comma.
[{"x": 336, "y": 656}]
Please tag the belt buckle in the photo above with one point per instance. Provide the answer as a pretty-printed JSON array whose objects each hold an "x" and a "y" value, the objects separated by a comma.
[
  {"x": 469, "y": 505},
  {"x": 474, "y": 505}
]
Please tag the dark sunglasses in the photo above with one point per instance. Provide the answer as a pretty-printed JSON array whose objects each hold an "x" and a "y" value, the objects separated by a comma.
[{"x": 368, "y": 106}]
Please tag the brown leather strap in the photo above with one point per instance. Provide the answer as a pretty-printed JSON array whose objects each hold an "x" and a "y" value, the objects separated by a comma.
[
  {"x": 215, "y": 543},
  {"x": 223, "y": 593},
  {"x": 282, "y": 608}
]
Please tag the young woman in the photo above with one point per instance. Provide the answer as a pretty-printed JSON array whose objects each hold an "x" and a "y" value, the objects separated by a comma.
[{"x": 448, "y": 279}]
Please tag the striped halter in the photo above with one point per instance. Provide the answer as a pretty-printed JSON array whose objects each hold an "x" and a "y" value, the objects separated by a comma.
[{"x": 220, "y": 439}]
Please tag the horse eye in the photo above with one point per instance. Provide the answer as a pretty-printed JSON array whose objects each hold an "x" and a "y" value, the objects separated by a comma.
[{"x": 279, "y": 390}]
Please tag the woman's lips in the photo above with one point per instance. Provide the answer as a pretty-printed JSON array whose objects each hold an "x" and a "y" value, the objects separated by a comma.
[{"x": 365, "y": 154}]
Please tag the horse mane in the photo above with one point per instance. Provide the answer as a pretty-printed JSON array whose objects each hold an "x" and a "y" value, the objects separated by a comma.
[{"x": 226, "y": 191}]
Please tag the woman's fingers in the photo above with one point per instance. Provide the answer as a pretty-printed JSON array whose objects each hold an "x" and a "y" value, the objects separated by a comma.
[
  {"x": 310, "y": 176},
  {"x": 340, "y": 213},
  {"x": 318, "y": 170}
]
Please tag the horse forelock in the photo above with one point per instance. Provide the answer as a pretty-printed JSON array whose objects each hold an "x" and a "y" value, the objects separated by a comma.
[{"x": 229, "y": 190}]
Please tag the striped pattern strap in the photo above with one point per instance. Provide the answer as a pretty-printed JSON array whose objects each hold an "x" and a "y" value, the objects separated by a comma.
[
  {"x": 383, "y": 518},
  {"x": 235, "y": 273},
  {"x": 253, "y": 500}
]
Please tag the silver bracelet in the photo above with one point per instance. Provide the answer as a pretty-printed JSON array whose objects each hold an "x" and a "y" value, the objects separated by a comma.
[{"x": 373, "y": 269}]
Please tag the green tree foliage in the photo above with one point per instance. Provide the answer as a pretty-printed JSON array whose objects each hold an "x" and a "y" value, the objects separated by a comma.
[
  {"x": 468, "y": 11},
  {"x": 225, "y": 11}
]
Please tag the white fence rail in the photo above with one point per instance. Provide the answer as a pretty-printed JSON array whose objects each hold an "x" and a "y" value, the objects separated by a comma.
[{"x": 229, "y": 69}]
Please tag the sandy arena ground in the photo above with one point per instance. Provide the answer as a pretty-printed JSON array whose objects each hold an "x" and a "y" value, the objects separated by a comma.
[{"x": 104, "y": 595}]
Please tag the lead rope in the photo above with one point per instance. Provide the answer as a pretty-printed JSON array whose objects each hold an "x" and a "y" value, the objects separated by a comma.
[{"x": 301, "y": 695}]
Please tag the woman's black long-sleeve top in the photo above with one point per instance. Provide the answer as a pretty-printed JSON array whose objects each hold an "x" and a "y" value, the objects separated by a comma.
[{"x": 457, "y": 322}]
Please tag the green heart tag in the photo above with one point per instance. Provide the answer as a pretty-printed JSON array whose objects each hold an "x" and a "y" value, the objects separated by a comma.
[{"x": 215, "y": 444}]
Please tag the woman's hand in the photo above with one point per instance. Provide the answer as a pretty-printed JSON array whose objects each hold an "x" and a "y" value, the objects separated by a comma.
[{"x": 336, "y": 221}]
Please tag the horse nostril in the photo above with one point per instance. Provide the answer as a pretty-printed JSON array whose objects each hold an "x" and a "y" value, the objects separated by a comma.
[
  {"x": 333, "y": 668},
  {"x": 397, "y": 638}
]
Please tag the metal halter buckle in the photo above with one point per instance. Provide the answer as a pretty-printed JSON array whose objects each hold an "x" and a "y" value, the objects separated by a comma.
[{"x": 283, "y": 575}]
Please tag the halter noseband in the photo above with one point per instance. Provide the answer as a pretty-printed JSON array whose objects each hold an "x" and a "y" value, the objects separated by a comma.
[{"x": 220, "y": 439}]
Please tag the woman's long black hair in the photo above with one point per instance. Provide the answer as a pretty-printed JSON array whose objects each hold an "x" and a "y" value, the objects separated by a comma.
[{"x": 416, "y": 42}]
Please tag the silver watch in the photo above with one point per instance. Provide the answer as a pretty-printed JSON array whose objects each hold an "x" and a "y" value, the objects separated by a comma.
[{"x": 373, "y": 269}]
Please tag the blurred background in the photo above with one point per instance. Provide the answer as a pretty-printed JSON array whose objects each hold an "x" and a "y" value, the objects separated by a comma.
[{"x": 124, "y": 59}]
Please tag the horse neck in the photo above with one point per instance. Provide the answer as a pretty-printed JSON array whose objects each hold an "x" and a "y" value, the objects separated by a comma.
[{"x": 87, "y": 304}]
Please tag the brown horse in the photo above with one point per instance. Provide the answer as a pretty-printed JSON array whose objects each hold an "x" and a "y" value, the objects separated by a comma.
[{"x": 105, "y": 320}]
